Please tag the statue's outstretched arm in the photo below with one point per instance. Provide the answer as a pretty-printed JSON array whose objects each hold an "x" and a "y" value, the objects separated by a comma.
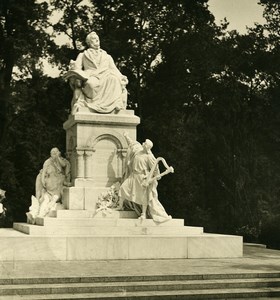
[{"x": 128, "y": 139}]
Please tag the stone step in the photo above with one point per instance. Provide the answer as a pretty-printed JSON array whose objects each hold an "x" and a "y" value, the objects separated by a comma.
[
  {"x": 72, "y": 214},
  {"x": 125, "y": 287},
  {"x": 154, "y": 295},
  {"x": 110, "y": 222},
  {"x": 137, "y": 278},
  {"x": 104, "y": 231}
]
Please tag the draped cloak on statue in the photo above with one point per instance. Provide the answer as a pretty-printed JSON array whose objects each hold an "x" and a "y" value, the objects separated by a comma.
[
  {"x": 102, "y": 88},
  {"x": 132, "y": 190}
]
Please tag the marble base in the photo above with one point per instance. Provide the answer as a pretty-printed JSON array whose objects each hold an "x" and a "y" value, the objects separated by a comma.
[
  {"x": 84, "y": 235},
  {"x": 74, "y": 248}
]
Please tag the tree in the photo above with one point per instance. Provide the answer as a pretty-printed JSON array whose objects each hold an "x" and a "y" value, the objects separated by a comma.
[{"x": 23, "y": 41}]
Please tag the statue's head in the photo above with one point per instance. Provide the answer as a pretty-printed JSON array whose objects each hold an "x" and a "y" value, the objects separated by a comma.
[
  {"x": 92, "y": 40},
  {"x": 148, "y": 145},
  {"x": 54, "y": 152}
]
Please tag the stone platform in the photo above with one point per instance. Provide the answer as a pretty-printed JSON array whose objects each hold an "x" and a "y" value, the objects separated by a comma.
[
  {"x": 78, "y": 235},
  {"x": 254, "y": 276}
]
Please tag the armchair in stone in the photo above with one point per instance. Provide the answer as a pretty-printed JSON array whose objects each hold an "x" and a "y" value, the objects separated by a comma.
[{"x": 96, "y": 81}]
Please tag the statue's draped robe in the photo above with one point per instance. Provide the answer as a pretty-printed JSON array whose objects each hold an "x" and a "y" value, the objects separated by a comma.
[
  {"x": 139, "y": 165},
  {"x": 53, "y": 175},
  {"x": 102, "y": 90}
]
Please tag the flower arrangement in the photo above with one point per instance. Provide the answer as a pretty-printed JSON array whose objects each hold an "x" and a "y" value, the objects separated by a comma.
[{"x": 109, "y": 199}]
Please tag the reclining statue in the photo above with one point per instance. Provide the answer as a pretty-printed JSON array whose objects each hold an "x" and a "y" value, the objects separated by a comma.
[
  {"x": 49, "y": 186},
  {"x": 95, "y": 80}
]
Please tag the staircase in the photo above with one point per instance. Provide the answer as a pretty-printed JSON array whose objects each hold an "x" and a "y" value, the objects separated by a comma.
[{"x": 210, "y": 286}]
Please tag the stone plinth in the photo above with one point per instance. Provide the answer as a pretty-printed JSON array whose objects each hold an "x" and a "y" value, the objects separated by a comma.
[
  {"x": 82, "y": 235},
  {"x": 96, "y": 149}
]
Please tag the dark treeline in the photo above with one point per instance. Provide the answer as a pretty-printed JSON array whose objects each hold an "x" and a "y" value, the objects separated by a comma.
[{"x": 209, "y": 99}]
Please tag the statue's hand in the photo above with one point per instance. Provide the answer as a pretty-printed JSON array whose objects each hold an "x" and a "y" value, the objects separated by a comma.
[
  {"x": 145, "y": 184},
  {"x": 124, "y": 80},
  {"x": 72, "y": 65}
]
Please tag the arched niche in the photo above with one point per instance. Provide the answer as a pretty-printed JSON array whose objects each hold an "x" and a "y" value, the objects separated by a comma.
[{"x": 107, "y": 159}]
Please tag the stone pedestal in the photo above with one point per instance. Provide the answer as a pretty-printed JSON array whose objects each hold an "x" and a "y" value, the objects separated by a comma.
[
  {"x": 96, "y": 149},
  {"x": 79, "y": 235}
]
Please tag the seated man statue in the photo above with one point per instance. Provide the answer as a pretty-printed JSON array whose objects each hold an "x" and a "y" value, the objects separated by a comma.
[
  {"x": 49, "y": 186},
  {"x": 96, "y": 81},
  {"x": 139, "y": 188}
]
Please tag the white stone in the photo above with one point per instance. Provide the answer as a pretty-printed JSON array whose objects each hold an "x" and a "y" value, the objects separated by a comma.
[
  {"x": 215, "y": 246},
  {"x": 125, "y": 222},
  {"x": 96, "y": 81},
  {"x": 157, "y": 247},
  {"x": 96, "y": 149},
  {"x": 74, "y": 198},
  {"x": 91, "y": 197},
  {"x": 24, "y": 247},
  {"x": 35, "y": 248},
  {"x": 98, "y": 248},
  {"x": 107, "y": 229}
]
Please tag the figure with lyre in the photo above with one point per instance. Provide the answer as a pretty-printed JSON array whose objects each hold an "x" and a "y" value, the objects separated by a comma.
[{"x": 138, "y": 190}]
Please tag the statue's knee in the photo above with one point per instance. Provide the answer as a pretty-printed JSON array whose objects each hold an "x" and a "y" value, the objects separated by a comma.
[{"x": 90, "y": 87}]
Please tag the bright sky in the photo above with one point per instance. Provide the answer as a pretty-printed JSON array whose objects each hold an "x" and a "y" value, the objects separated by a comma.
[{"x": 239, "y": 13}]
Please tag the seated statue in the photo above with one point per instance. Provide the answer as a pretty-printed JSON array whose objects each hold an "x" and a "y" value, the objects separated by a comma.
[
  {"x": 139, "y": 188},
  {"x": 96, "y": 81},
  {"x": 49, "y": 186}
]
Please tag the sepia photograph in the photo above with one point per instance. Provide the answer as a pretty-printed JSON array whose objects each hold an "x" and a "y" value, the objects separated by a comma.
[{"x": 139, "y": 149}]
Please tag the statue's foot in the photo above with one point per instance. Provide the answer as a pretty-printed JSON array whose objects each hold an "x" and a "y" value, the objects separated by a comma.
[
  {"x": 118, "y": 109},
  {"x": 142, "y": 217},
  {"x": 30, "y": 218}
]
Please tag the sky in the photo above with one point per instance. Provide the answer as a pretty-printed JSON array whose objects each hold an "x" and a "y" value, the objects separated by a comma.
[{"x": 239, "y": 13}]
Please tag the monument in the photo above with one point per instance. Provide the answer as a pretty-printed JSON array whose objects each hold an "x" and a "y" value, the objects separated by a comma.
[{"x": 110, "y": 207}]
